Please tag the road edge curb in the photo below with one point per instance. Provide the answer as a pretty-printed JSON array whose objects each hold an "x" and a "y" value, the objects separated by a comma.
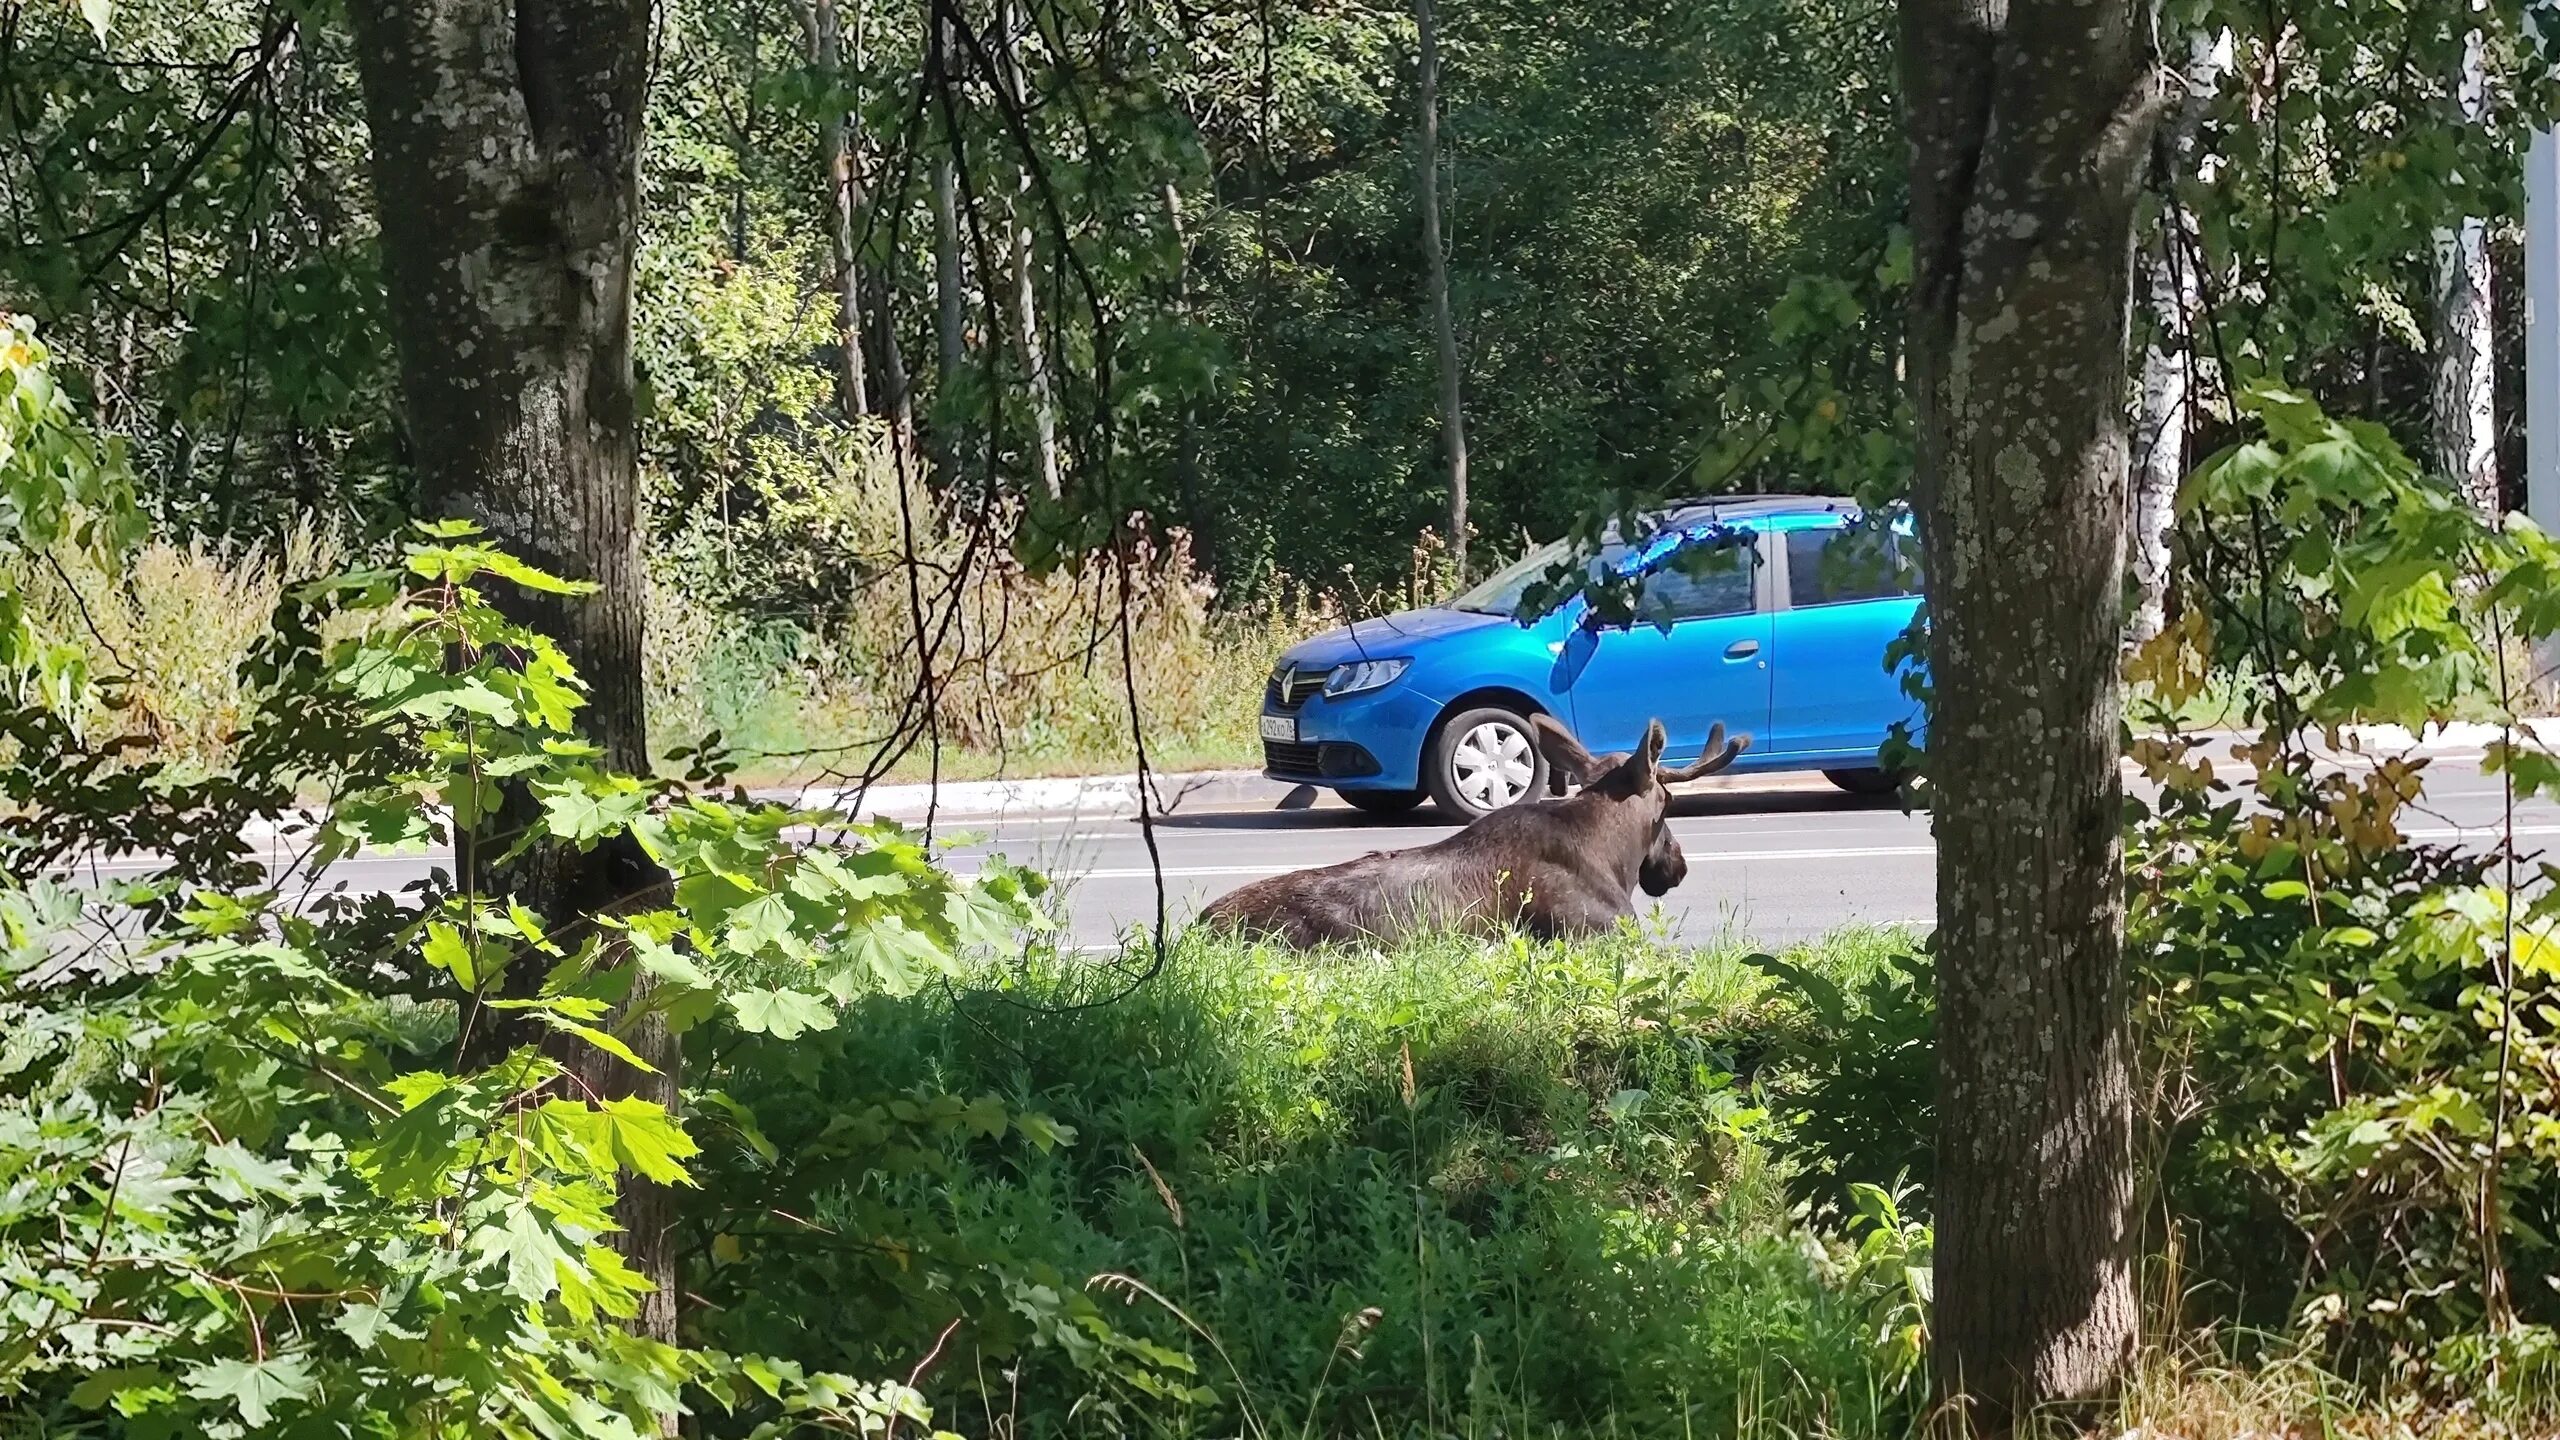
[{"x": 1117, "y": 795}]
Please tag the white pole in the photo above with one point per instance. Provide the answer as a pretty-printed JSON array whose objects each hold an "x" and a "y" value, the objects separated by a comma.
[
  {"x": 2542, "y": 352},
  {"x": 2542, "y": 332}
]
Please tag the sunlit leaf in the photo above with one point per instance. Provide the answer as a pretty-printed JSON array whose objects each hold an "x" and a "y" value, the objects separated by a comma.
[
  {"x": 253, "y": 1387},
  {"x": 782, "y": 1014}
]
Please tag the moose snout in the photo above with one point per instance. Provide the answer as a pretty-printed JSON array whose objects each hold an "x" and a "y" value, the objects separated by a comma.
[{"x": 1665, "y": 866}]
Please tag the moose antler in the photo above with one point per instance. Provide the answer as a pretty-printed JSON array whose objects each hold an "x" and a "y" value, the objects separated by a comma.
[
  {"x": 1719, "y": 755},
  {"x": 1564, "y": 752}
]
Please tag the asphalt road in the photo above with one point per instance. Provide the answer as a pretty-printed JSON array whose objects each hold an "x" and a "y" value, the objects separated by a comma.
[{"x": 1771, "y": 860}]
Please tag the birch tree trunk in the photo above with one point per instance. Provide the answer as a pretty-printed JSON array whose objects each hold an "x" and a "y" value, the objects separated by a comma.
[
  {"x": 1035, "y": 361},
  {"x": 950, "y": 300},
  {"x": 1022, "y": 301},
  {"x": 506, "y": 143},
  {"x": 1186, "y": 445},
  {"x": 1435, "y": 257},
  {"x": 2030, "y": 127},
  {"x": 844, "y": 202},
  {"x": 2462, "y": 396},
  {"x": 897, "y": 393},
  {"x": 2160, "y": 434},
  {"x": 2170, "y": 282}
]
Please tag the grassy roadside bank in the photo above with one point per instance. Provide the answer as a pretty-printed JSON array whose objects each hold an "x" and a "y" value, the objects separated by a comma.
[
  {"x": 1030, "y": 684},
  {"x": 1448, "y": 1190},
  {"x": 1451, "y": 1190}
]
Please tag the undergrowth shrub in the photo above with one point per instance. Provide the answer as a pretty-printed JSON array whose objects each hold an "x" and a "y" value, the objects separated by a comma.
[
  {"x": 260, "y": 1181},
  {"x": 1029, "y": 676},
  {"x": 171, "y": 624},
  {"x": 1854, "y": 1079},
  {"x": 781, "y": 615},
  {"x": 1448, "y": 1189},
  {"x": 2352, "y": 1033},
  {"x": 2347, "y": 1128}
]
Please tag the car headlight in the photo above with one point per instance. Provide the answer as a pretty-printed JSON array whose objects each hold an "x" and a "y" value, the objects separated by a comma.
[{"x": 1363, "y": 675}]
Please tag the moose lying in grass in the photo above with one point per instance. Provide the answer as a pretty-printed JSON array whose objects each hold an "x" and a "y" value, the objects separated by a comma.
[{"x": 1555, "y": 869}]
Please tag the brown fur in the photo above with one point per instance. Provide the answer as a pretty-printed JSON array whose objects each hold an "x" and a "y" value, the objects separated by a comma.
[{"x": 1555, "y": 868}]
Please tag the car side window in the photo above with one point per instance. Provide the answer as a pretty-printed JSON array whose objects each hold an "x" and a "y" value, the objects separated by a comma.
[
  {"x": 1700, "y": 584},
  {"x": 1839, "y": 566}
]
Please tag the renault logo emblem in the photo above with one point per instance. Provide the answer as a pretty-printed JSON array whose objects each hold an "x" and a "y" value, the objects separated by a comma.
[{"x": 1288, "y": 678}]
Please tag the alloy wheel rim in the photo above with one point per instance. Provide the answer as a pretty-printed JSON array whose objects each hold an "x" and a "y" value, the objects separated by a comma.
[{"x": 1493, "y": 765}]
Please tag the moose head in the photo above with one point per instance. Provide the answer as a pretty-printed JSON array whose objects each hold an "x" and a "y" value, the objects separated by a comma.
[
  {"x": 1555, "y": 869},
  {"x": 1637, "y": 791}
]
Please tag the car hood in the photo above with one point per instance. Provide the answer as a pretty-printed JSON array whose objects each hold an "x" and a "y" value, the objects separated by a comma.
[{"x": 1386, "y": 635}]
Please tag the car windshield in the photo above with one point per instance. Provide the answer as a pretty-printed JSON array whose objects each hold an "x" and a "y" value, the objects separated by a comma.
[{"x": 1501, "y": 592}]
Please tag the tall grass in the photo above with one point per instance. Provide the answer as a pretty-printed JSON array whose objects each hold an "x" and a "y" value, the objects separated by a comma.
[
  {"x": 1027, "y": 679},
  {"x": 1452, "y": 1189},
  {"x": 171, "y": 630},
  {"x": 1448, "y": 1190}
]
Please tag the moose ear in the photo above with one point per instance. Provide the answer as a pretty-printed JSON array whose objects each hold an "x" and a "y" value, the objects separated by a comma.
[
  {"x": 1720, "y": 753},
  {"x": 1563, "y": 751},
  {"x": 1625, "y": 775},
  {"x": 1650, "y": 752}
]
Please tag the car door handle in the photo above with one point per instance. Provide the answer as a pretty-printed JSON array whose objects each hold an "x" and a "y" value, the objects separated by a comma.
[{"x": 1742, "y": 649}]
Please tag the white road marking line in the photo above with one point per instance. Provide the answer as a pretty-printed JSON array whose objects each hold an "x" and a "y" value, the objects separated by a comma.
[{"x": 1177, "y": 872}]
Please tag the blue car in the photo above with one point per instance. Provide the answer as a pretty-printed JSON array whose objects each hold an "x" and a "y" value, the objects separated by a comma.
[{"x": 1768, "y": 614}]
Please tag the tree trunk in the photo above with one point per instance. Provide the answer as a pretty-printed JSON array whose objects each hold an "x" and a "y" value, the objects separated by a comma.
[
  {"x": 1021, "y": 277},
  {"x": 844, "y": 201},
  {"x": 2160, "y": 434},
  {"x": 1025, "y": 315},
  {"x": 1435, "y": 259},
  {"x": 2465, "y": 383},
  {"x": 950, "y": 301},
  {"x": 1186, "y": 444},
  {"x": 2169, "y": 363},
  {"x": 506, "y": 142},
  {"x": 897, "y": 397},
  {"x": 2030, "y": 126}
]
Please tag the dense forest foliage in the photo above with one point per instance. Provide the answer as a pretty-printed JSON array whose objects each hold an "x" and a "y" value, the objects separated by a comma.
[
  {"x": 1672, "y": 235},
  {"x": 1630, "y": 193},
  {"x": 1019, "y": 375}
]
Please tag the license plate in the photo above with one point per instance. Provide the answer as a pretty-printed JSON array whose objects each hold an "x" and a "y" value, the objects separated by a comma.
[{"x": 1283, "y": 728}]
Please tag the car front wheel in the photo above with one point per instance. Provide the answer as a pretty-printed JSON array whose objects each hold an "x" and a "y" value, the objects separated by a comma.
[{"x": 1484, "y": 759}]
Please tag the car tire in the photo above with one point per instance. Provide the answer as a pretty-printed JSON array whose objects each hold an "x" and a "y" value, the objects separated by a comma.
[
  {"x": 1482, "y": 760},
  {"x": 1869, "y": 781},
  {"x": 1381, "y": 802}
]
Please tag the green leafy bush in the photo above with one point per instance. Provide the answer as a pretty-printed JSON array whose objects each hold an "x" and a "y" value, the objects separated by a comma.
[
  {"x": 2352, "y": 1031},
  {"x": 258, "y": 1176},
  {"x": 1447, "y": 1189},
  {"x": 1854, "y": 1079}
]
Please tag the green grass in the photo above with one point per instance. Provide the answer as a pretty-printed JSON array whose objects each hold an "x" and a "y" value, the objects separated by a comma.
[
  {"x": 794, "y": 747},
  {"x": 1452, "y": 1189}
]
